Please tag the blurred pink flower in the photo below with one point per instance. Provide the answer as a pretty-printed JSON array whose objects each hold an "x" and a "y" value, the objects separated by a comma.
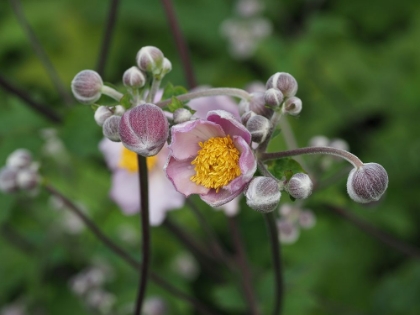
[{"x": 125, "y": 183}]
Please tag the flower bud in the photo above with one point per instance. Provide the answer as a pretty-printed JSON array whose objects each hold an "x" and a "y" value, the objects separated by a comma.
[
  {"x": 319, "y": 141},
  {"x": 299, "y": 186},
  {"x": 258, "y": 126},
  {"x": 102, "y": 113},
  {"x": 284, "y": 82},
  {"x": 339, "y": 144},
  {"x": 8, "y": 182},
  {"x": 86, "y": 86},
  {"x": 307, "y": 219},
  {"x": 154, "y": 306},
  {"x": 257, "y": 105},
  {"x": 292, "y": 106},
  {"x": 181, "y": 115},
  {"x": 245, "y": 117},
  {"x": 167, "y": 66},
  {"x": 27, "y": 179},
  {"x": 263, "y": 194},
  {"x": 110, "y": 128},
  {"x": 288, "y": 232},
  {"x": 20, "y": 158},
  {"x": 150, "y": 59},
  {"x": 144, "y": 129},
  {"x": 134, "y": 78},
  {"x": 119, "y": 110},
  {"x": 273, "y": 97},
  {"x": 367, "y": 183}
]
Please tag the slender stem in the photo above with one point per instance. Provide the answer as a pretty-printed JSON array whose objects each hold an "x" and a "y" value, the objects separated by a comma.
[
  {"x": 106, "y": 42},
  {"x": 42, "y": 109},
  {"x": 208, "y": 92},
  {"x": 144, "y": 213},
  {"x": 276, "y": 257},
  {"x": 243, "y": 265},
  {"x": 155, "y": 87},
  {"x": 290, "y": 139},
  {"x": 109, "y": 91},
  {"x": 124, "y": 255},
  {"x": 180, "y": 43},
  {"x": 354, "y": 160},
  {"x": 380, "y": 235},
  {"x": 40, "y": 52},
  {"x": 273, "y": 122}
]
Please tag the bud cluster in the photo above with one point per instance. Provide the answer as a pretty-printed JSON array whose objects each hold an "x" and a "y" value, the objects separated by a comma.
[{"x": 292, "y": 219}]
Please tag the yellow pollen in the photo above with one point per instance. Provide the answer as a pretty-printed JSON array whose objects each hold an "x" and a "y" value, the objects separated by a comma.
[
  {"x": 216, "y": 164},
  {"x": 128, "y": 161}
]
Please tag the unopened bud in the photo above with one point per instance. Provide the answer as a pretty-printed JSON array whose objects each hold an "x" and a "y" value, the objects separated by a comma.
[
  {"x": 110, "y": 128},
  {"x": 144, "y": 129},
  {"x": 150, "y": 59},
  {"x": 307, "y": 219},
  {"x": 119, "y": 110},
  {"x": 256, "y": 104},
  {"x": 181, "y": 115},
  {"x": 258, "y": 126},
  {"x": 8, "y": 182},
  {"x": 299, "y": 186},
  {"x": 245, "y": 117},
  {"x": 27, "y": 179},
  {"x": 292, "y": 106},
  {"x": 134, "y": 78},
  {"x": 154, "y": 306},
  {"x": 319, "y": 141},
  {"x": 367, "y": 183},
  {"x": 339, "y": 144},
  {"x": 288, "y": 232},
  {"x": 102, "y": 113},
  {"x": 263, "y": 194},
  {"x": 273, "y": 97},
  {"x": 167, "y": 66},
  {"x": 284, "y": 82},
  {"x": 86, "y": 86},
  {"x": 20, "y": 158}
]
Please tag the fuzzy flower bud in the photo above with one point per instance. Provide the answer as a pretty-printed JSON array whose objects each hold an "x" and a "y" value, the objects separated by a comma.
[
  {"x": 258, "y": 126},
  {"x": 167, "y": 66},
  {"x": 8, "y": 182},
  {"x": 292, "y": 106},
  {"x": 307, "y": 219},
  {"x": 110, "y": 128},
  {"x": 245, "y": 117},
  {"x": 257, "y": 105},
  {"x": 119, "y": 110},
  {"x": 102, "y": 113},
  {"x": 150, "y": 59},
  {"x": 273, "y": 97},
  {"x": 27, "y": 179},
  {"x": 288, "y": 232},
  {"x": 134, "y": 78},
  {"x": 284, "y": 82},
  {"x": 263, "y": 194},
  {"x": 367, "y": 183},
  {"x": 299, "y": 186},
  {"x": 181, "y": 115},
  {"x": 86, "y": 86},
  {"x": 19, "y": 158},
  {"x": 144, "y": 129}
]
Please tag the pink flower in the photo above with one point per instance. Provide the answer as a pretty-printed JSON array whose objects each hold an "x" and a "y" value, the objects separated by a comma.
[
  {"x": 125, "y": 182},
  {"x": 211, "y": 157}
]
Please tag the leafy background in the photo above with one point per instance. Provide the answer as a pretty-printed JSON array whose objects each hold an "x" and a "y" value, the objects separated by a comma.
[{"x": 358, "y": 67}]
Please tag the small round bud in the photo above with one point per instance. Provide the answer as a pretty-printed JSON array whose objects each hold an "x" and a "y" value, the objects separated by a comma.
[
  {"x": 245, "y": 117},
  {"x": 257, "y": 105},
  {"x": 86, "y": 86},
  {"x": 339, "y": 144},
  {"x": 167, "y": 66},
  {"x": 119, "y": 110},
  {"x": 150, "y": 59},
  {"x": 319, "y": 141},
  {"x": 20, "y": 158},
  {"x": 154, "y": 306},
  {"x": 299, "y": 186},
  {"x": 110, "y": 128},
  {"x": 8, "y": 182},
  {"x": 144, "y": 129},
  {"x": 258, "y": 126},
  {"x": 367, "y": 183},
  {"x": 292, "y": 106},
  {"x": 27, "y": 179},
  {"x": 307, "y": 219},
  {"x": 134, "y": 78},
  {"x": 181, "y": 115},
  {"x": 288, "y": 232},
  {"x": 102, "y": 113},
  {"x": 273, "y": 97},
  {"x": 263, "y": 194},
  {"x": 284, "y": 82}
]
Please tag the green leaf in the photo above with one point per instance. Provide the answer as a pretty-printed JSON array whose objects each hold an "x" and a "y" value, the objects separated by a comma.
[
  {"x": 276, "y": 132},
  {"x": 175, "y": 104},
  {"x": 171, "y": 91},
  {"x": 126, "y": 101},
  {"x": 284, "y": 168}
]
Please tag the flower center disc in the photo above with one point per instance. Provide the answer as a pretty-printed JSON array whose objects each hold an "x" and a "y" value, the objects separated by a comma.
[
  {"x": 128, "y": 161},
  {"x": 216, "y": 163}
]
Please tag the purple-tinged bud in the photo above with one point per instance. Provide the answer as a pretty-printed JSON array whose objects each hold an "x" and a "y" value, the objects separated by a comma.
[
  {"x": 144, "y": 129},
  {"x": 111, "y": 127},
  {"x": 182, "y": 115},
  {"x": 263, "y": 194},
  {"x": 273, "y": 97},
  {"x": 367, "y": 183},
  {"x": 150, "y": 59},
  {"x": 284, "y": 82},
  {"x": 86, "y": 86},
  {"x": 102, "y": 113},
  {"x": 134, "y": 78},
  {"x": 292, "y": 106},
  {"x": 245, "y": 117},
  {"x": 27, "y": 179},
  {"x": 167, "y": 66},
  {"x": 256, "y": 104},
  {"x": 20, "y": 158},
  {"x": 307, "y": 219},
  {"x": 288, "y": 232},
  {"x": 299, "y": 186},
  {"x": 8, "y": 182},
  {"x": 258, "y": 126}
]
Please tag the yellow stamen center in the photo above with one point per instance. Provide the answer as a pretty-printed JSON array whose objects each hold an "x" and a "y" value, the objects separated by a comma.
[
  {"x": 128, "y": 161},
  {"x": 216, "y": 164}
]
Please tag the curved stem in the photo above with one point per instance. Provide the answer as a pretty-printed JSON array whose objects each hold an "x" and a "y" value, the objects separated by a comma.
[
  {"x": 109, "y": 91},
  {"x": 290, "y": 139},
  {"x": 153, "y": 90},
  {"x": 208, "y": 92},
  {"x": 144, "y": 213},
  {"x": 273, "y": 122},
  {"x": 351, "y": 158},
  {"x": 276, "y": 257}
]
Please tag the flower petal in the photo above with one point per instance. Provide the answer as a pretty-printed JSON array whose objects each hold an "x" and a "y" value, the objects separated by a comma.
[
  {"x": 203, "y": 105},
  {"x": 125, "y": 191},
  {"x": 232, "y": 207},
  {"x": 186, "y": 136},
  {"x": 217, "y": 199},
  {"x": 230, "y": 125},
  {"x": 111, "y": 151}
]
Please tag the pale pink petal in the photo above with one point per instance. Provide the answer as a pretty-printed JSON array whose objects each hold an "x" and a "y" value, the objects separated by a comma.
[
  {"x": 232, "y": 207},
  {"x": 217, "y": 199},
  {"x": 205, "y": 104},
  {"x": 125, "y": 191},
  {"x": 229, "y": 124},
  {"x": 111, "y": 151},
  {"x": 186, "y": 136},
  {"x": 179, "y": 173}
]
